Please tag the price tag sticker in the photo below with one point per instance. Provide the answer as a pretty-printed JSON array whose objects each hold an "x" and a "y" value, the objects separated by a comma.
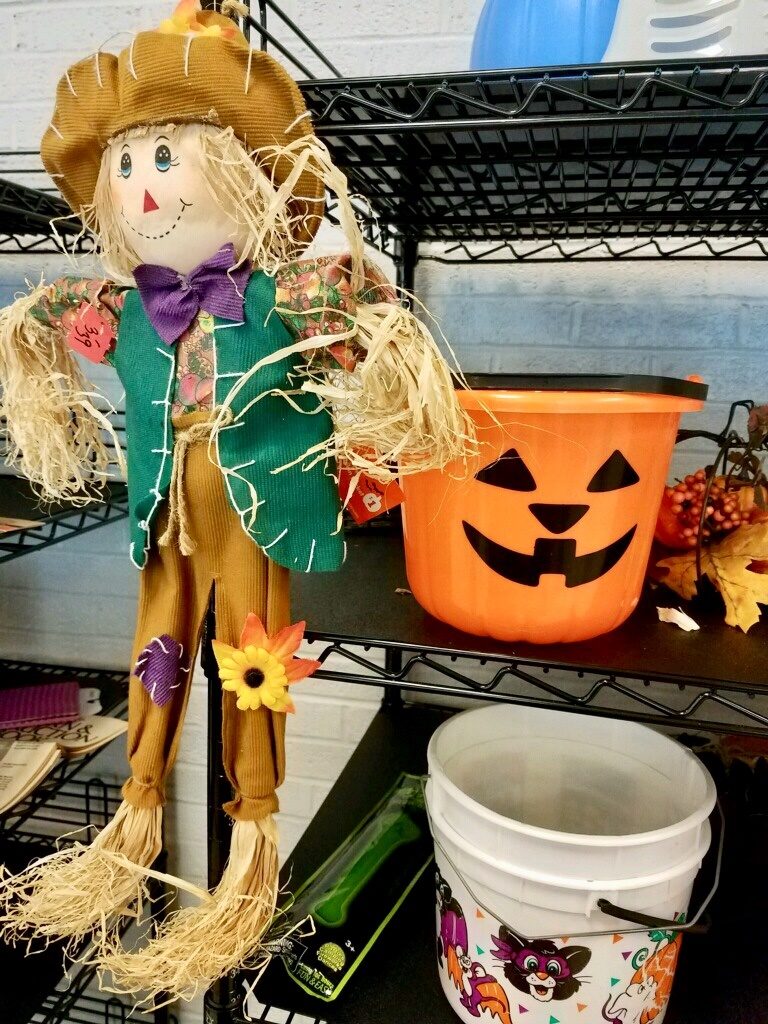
[{"x": 89, "y": 333}]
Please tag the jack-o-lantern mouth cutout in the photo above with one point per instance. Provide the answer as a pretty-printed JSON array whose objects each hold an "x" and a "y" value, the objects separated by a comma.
[{"x": 550, "y": 556}]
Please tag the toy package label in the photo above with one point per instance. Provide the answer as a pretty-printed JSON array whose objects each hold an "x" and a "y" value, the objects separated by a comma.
[
  {"x": 369, "y": 498},
  {"x": 339, "y": 913}
]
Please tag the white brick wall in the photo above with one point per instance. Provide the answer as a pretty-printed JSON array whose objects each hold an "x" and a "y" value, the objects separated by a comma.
[{"x": 683, "y": 318}]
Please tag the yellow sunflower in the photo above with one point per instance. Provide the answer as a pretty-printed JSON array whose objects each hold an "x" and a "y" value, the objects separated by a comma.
[{"x": 262, "y": 668}]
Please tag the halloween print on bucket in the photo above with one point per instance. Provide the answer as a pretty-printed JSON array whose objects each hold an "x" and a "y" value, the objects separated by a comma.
[
  {"x": 647, "y": 994},
  {"x": 479, "y": 993},
  {"x": 538, "y": 967},
  {"x": 452, "y": 939},
  {"x": 490, "y": 972},
  {"x": 485, "y": 995}
]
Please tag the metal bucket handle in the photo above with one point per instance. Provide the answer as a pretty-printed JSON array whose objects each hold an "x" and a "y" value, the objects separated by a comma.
[{"x": 696, "y": 925}]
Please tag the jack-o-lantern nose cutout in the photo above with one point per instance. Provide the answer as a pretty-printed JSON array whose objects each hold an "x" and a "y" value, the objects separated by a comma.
[
  {"x": 558, "y": 518},
  {"x": 614, "y": 474},
  {"x": 508, "y": 471}
]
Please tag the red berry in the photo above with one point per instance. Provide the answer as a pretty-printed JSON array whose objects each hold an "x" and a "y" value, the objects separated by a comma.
[{"x": 684, "y": 515}]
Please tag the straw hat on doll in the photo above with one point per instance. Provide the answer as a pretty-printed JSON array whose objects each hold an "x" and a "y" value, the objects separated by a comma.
[{"x": 196, "y": 68}]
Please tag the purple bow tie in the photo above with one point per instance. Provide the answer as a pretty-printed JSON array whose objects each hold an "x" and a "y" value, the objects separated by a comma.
[{"x": 172, "y": 300}]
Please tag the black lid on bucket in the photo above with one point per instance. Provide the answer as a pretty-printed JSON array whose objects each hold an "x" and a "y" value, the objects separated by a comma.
[{"x": 637, "y": 384}]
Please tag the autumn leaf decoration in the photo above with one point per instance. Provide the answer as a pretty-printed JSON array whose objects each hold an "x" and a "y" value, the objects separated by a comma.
[
  {"x": 736, "y": 565},
  {"x": 718, "y": 519}
]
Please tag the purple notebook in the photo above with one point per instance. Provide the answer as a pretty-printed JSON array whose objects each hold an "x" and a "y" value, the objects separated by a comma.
[{"x": 46, "y": 704}]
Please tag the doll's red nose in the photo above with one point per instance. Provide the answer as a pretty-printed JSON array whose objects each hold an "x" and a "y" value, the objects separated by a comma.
[{"x": 149, "y": 203}]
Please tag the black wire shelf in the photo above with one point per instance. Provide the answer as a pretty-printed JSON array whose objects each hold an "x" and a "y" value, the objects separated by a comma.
[
  {"x": 26, "y": 213},
  {"x": 66, "y": 810},
  {"x": 556, "y": 156},
  {"x": 647, "y": 671},
  {"x": 717, "y": 708},
  {"x": 44, "y": 992},
  {"x": 75, "y": 998},
  {"x": 578, "y": 163},
  {"x": 62, "y": 802},
  {"x": 92, "y": 1009},
  {"x": 63, "y": 809},
  {"x": 58, "y": 522},
  {"x": 580, "y": 250}
]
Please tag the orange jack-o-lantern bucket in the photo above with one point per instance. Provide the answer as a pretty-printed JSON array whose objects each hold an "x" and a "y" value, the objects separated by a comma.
[{"x": 546, "y": 536}]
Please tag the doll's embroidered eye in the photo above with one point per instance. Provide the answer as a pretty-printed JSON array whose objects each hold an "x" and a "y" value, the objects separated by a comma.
[
  {"x": 126, "y": 165},
  {"x": 163, "y": 158}
]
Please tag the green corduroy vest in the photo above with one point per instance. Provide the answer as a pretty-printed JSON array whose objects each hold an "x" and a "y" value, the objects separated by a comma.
[{"x": 296, "y": 518}]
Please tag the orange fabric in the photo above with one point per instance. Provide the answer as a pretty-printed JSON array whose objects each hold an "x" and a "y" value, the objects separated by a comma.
[{"x": 173, "y": 599}]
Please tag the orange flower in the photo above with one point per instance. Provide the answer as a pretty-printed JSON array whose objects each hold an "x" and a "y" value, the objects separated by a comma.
[
  {"x": 262, "y": 668},
  {"x": 184, "y": 21}
]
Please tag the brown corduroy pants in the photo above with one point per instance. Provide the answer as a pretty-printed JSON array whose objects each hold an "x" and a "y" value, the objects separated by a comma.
[{"x": 174, "y": 594}]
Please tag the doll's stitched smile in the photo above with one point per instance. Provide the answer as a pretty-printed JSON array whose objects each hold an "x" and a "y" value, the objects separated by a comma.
[{"x": 164, "y": 234}]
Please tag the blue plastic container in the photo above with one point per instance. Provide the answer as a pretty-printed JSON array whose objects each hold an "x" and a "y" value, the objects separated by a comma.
[{"x": 539, "y": 33}]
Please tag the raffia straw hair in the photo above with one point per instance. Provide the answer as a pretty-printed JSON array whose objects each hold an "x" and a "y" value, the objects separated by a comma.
[
  {"x": 81, "y": 888},
  {"x": 399, "y": 406},
  {"x": 197, "y": 945},
  {"x": 57, "y": 437},
  {"x": 262, "y": 221},
  {"x": 243, "y": 188},
  {"x": 230, "y": 7}
]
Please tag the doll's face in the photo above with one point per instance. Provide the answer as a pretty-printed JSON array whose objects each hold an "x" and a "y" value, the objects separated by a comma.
[{"x": 160, "y": 194}]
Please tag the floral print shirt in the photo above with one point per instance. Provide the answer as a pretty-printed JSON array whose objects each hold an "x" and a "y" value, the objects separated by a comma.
[{"x": 313, "y": 298}]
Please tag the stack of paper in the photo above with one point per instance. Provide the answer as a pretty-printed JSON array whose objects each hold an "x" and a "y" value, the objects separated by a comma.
[
  {"x": 28, "y": 755},
  {"x": 22, "y": 770},
  {"x": 8, "y": 525}
]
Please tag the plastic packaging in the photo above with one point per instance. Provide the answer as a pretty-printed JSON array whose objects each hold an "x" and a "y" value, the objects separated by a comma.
[
  {"x": 535, "y": 33},
  {"x": 332, "y": 922},
  {"x": 688, "y": 28},
  {"x": 546, "y": 536}
]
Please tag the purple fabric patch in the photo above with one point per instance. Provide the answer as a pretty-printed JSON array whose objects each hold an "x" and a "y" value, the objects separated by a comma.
[
  {"x": 159, "y": 667},
  {"x": 172, "y": 301}
]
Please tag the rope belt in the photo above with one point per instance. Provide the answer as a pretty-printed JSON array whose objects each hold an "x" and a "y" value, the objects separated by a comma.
[{"x": 185, "y": 439}]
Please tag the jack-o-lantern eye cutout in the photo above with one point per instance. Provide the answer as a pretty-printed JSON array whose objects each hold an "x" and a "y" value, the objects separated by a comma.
[
  {"x": 614, "y": 474},
  {"x": 508, "y": 471}
]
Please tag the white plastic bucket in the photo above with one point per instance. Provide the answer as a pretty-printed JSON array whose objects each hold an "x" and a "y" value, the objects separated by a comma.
[{"x": 538, "y": 816}]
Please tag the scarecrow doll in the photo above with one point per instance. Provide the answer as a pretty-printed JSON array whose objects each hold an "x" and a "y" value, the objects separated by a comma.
[{"x": 248, "y": 374}]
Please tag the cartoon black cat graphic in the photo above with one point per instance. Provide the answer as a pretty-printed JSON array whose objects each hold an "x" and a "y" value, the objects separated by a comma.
[{"x": 538, "y": 968}]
